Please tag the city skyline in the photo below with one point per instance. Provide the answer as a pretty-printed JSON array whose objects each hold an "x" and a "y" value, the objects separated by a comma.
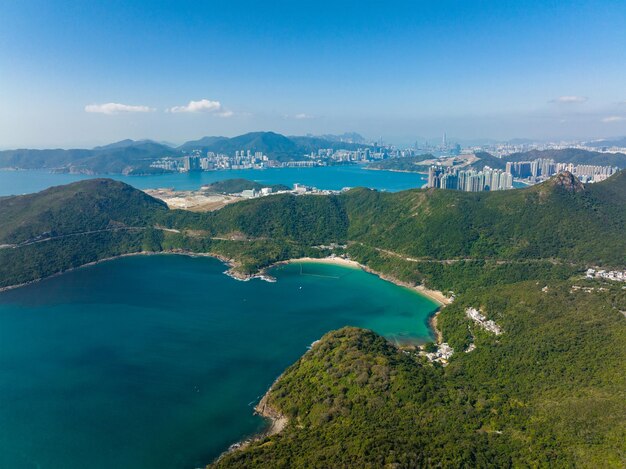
[{"x": 79, "y": 75}]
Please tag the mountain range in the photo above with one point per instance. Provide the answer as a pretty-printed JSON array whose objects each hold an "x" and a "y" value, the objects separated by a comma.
[
  {"x": 572, "y": 155},
  {"x": 566, "y": 155},
  {"x": 135, "y": 156}
]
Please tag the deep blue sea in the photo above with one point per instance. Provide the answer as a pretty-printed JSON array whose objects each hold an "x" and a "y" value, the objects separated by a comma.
[{"x": 158, "y": 361}]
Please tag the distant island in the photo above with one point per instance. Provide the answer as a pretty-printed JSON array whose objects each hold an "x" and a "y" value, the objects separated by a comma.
[
  {"x": 531, "y": 347},
  {"x": 148, "y": 157}
]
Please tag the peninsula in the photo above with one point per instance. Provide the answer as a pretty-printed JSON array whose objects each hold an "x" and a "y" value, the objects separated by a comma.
[{"x": 356, "y": 400}]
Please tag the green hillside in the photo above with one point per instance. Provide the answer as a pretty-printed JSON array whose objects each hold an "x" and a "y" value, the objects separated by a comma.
[
  {"x": 487, "y": 159},
  {"x": 68, "y": 226},
  {"x": 123, "y": 157},
  {"x": 93, "y": 204},
  {"x": 548, "y": 392},
  {"x": 573, "y": 155},
  {"x": 277, "y": 146},
  {"x": 409, "y": 163},
  {"x": 540, "y": 222},
  {"x": 432, "y": 236}
]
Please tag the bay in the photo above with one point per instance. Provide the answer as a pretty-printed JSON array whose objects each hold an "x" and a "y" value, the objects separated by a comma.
[
  {"x": 324, "y": 177},
  {"x": 158, "y": 361}
]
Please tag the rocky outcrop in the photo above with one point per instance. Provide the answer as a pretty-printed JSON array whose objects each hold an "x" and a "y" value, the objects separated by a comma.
[
  {"x": 568, "y": 182},
  {"x": 278, "y": 420}
]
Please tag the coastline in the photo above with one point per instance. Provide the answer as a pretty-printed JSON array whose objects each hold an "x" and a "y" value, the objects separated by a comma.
[
  {"x": 396, "y": 170},
  {"x": 230, "y": 263},
  {"x": 277, "y": 423},
  {"x": 432, "y": 322},
  {"x": 56, "y": 274},
  {"x": 434, "y": 295},
  {"x": 322, "y": 260}
]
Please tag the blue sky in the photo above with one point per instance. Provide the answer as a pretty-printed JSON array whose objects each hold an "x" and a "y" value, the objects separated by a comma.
[{"x": 84, "y": 73}]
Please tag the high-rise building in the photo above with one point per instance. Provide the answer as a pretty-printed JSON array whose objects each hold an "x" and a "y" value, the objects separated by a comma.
[
  {"x": 469, "y": 180},
  {"x": 191, "y": 163}
]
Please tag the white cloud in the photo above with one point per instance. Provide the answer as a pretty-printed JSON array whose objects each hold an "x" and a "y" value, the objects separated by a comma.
[
  {"x": 610, "y": 119},
  {"x": 569, "y": 99},
  {"x": 116, "y": 108},
  {"x": 302, "y": 116},
  {"x": 204, "y": 105}
]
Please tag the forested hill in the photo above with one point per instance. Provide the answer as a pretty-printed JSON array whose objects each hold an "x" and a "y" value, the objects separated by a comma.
[
  {"x": 276, "y": 146},
  {"x": 67, "y": 226},
  {"x": 547, "y": 392},
  {"x": 409, "y": 234},
  {"x": 573, "y": 155},
  {"x": 93, "y": 204},
  {"x": 557, "y": 219},
  {"x": 409, "y": 163},
  {"x": 126, "y": 157}
]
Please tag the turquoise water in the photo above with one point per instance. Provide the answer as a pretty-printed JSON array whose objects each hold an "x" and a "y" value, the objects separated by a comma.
[
  {"x": 157, "y": 361},
  {"x": 326, "y": 177}
]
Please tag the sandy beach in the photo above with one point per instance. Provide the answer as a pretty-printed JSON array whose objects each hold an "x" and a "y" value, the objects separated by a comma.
[{"x": 327, "y": 260}]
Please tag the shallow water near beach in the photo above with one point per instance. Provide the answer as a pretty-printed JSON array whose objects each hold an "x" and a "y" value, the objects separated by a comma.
[{"x": 158, "y": 361}]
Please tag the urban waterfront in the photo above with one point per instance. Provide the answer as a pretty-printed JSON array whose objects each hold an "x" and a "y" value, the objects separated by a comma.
[
  {"x": 157, "y": 361},
  {"x": 327, "y": 177}
]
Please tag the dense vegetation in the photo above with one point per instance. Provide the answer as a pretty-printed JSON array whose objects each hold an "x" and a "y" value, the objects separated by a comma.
[
  {"x": 547, "y": 393},
  {"x": 540, "y": 222},
  {"x": 127, "y": 157},
  {"x": 573, "y": 155},
  {"x": 93, "y": 204},
  {"x": 409, "y": 163},
  {"x": 487, "y": 159},
  {"x": 234, "y": 186},
  {"x": 430, "y": 236},
  {"x": 68, "y": 226}
]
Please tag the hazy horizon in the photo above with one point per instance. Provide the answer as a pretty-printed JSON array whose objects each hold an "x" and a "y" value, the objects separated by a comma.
[{"x": 404, "y": 142}]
